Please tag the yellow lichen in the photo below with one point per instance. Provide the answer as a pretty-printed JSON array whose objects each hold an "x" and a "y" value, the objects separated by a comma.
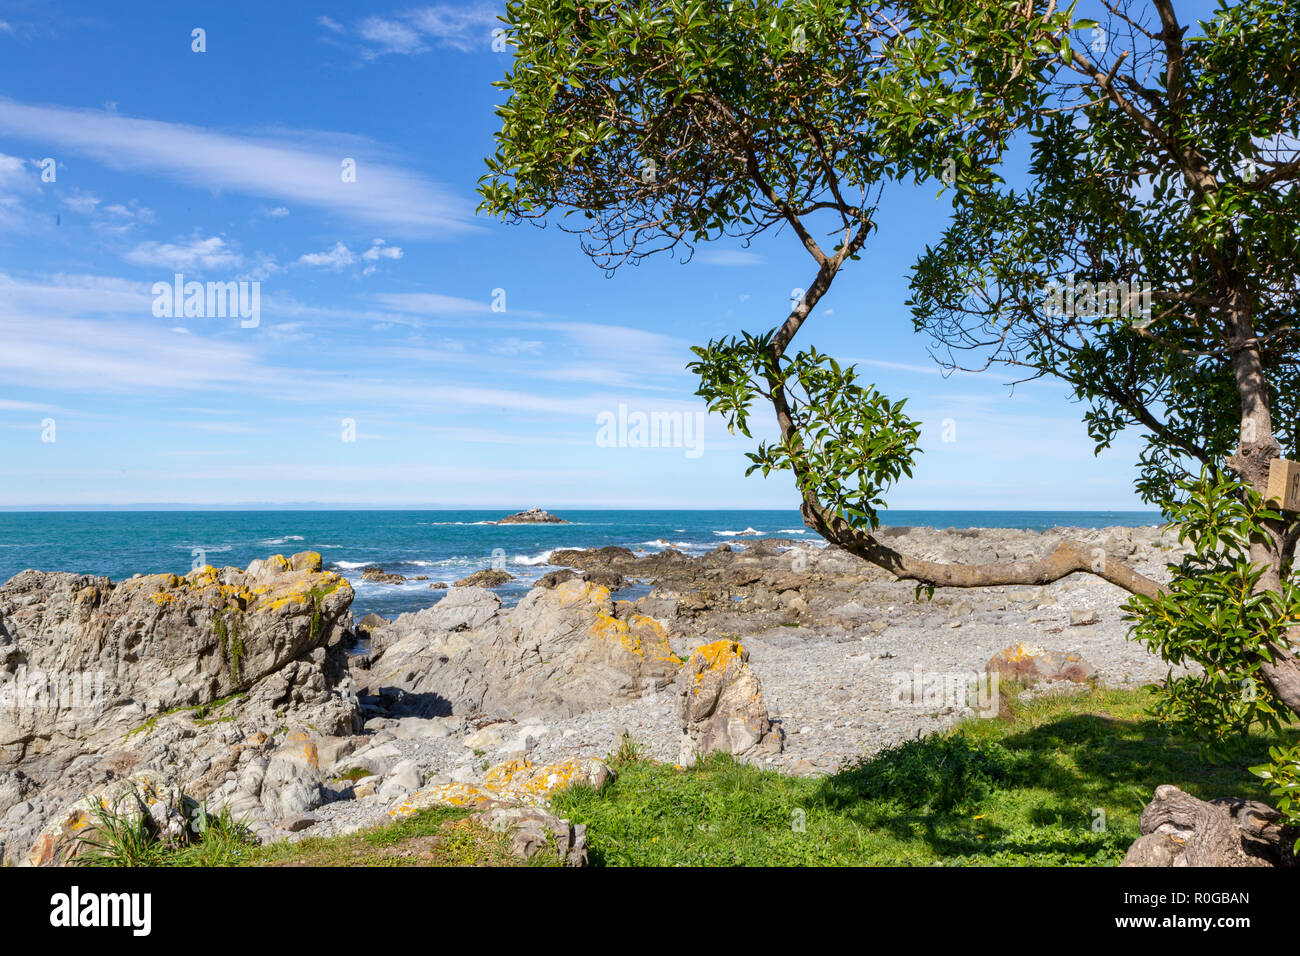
[
  {"x": 512, "y": 781},
  {"x": 610, "y": 627},
  {"x": 718, "y": 655},
  {"x": 1024, "y": 651}
]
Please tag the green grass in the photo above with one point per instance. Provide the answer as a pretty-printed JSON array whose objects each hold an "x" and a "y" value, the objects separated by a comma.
[
  {"x": 440, "y": 836},
  {"x": 199, "y": 712},
  {"x": 353, "y": 774},
  {"x": 1022, "y": 789}
]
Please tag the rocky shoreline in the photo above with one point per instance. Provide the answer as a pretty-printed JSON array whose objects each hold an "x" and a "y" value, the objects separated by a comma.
[{"x": 244, "y": 689}]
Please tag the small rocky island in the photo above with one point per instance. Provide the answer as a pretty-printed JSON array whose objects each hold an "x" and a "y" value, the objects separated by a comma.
[{"x": 532, "y": 516}]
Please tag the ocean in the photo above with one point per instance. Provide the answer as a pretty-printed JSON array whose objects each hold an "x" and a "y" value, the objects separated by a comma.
[{"x": 444, "y": 545}]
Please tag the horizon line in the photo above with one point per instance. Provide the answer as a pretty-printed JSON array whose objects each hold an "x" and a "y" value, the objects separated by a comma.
[{"x": 362, "y": 506}]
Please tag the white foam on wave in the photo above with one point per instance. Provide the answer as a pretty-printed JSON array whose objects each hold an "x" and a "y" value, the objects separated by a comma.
[
  {"x": 733, "y": 533},
  {"x": 793, "y": 531},
  {"x": 375, "y": 587},
  {"x": 533, "y": 560},
  {"x": 285, "y": 540}
]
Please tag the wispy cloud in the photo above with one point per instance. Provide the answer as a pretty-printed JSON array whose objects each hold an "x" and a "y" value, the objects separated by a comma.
[
  {"x": 335, "y": 258},
  {"x": 195, "y": 253},
  {"x": 57, "y": 338},
  {"x": 516, "y": 346},
  {"x": 381, "y": 250},
  {"x": 340, "y": 256},
  {"x": 15, "y": 180},
  {"x": 12, "y": 170},
  {"x": 729, "y": 257},
  {"x": 390, "y": 36},
  {"x": 433, "y": 304},
  {"x": 296, "y": 167},
  {"x": 463, "y": 27}
]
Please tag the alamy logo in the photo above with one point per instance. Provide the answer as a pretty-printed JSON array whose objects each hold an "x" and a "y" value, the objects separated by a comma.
[
  {"x": 651, "y": 430},
  {"x": 936, "y": 690},
  {"x": 1087, "y": 299},
  {"x": 53, "y": 692},
  {"x": 208, "y": 300},
  {"x": 74, "y": 909}
]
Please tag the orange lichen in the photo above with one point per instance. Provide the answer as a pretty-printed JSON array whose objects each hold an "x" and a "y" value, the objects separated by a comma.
[{"x": 1024, "y": 651}]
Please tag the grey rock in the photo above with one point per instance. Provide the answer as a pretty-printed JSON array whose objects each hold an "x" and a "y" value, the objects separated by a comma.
[
  {"x": 404, "y": 778},
  {"x": 558, "y": 652},
  {"x": 298, "y": 822},
  {"x": 487, "y": 578}
]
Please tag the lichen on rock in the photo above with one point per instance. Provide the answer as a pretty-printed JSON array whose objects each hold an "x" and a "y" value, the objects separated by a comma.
[{"x": 720, "y": 706}]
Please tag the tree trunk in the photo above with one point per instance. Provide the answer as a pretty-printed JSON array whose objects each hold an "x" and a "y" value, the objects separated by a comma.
[{"x": 1180, "y": 830}]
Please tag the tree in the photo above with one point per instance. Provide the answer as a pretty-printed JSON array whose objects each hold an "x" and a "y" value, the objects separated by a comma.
[{"x": 1156, "y": 158}]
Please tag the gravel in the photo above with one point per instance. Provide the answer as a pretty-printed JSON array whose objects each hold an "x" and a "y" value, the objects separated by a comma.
[{"x": 840, "y": 691}]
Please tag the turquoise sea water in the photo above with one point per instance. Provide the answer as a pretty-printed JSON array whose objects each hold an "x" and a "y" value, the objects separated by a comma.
[{"x": 445, "y": 545}]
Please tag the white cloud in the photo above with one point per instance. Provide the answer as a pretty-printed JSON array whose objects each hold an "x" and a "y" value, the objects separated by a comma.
[
  {"x": 82, "y": 294},
  {"x": 134, "y": 211},
  {"x": 458, "y": 26},
  {"x": 56, "y": 337},
  {"x": 335, "y": 258},
  {"x": 12, "y": 170},
  {"x": 297, "y": 167},
  {"x": 81, "y": 202},
  {"x": 516, "y": 346},
  {"x": 115, "y": 219},
  {"x": 210, "y": 253},
  {"x": 432, "y": 303},
  {"x": 279, "y": 212},
  {"x": 94, "y": 334},
  {"x": 9, "y": 405},
  {"x": 13, "y": 176},
  {"x": 461, "y": 27},
  {"x": 389, "y": 36},
  {"x": 331, "y": 25},
  {"x": 379, "y": 249},
  {"x": 729, "y": 257},
  {"x": 264, "y": 266},
  {"x": 341, "y": 256}
]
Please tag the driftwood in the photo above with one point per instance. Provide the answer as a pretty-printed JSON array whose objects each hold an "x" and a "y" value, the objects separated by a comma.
[{"x": 1180, "y": 830}]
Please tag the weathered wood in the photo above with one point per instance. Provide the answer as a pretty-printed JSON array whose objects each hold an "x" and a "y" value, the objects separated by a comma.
[
  {"x": 1180, "y": 830},
  {"x": 1284, "y": 484}
]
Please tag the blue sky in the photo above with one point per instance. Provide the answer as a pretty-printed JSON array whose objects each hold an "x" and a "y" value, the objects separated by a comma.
[{"x": 377, "y": 296}]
